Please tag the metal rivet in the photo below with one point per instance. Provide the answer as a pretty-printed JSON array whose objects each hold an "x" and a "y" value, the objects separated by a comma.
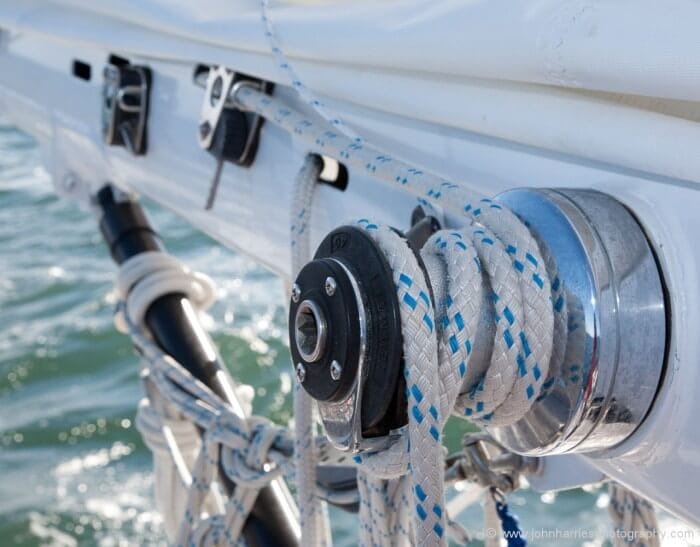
[
  {"x": 331, "y": 286},
  {"x": 296, "y": 293},
  {"x": 301, "y": 372},
  {"x": 336, "y": 370}
]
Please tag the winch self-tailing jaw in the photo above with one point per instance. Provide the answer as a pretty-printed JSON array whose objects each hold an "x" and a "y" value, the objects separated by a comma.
[
  {"x": 346, "y": 341},
  {"x": 345, "y": 330}
]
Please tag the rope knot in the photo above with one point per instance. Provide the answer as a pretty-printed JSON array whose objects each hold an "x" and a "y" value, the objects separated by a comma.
[{"x": 251, "y": 459}]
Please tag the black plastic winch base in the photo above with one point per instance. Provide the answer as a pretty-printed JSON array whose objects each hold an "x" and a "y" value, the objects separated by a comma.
[
  {"x": 170, "y": 320},
  {"x": 343, "y": 333},
  {"x": 352, "y": 249},
  {"x": 364, "y": 298}
]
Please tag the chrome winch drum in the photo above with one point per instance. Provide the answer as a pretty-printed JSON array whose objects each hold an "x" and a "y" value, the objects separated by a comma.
[
  {"x": 346, "y": 340},
  {"x": 617, "y": 323}
]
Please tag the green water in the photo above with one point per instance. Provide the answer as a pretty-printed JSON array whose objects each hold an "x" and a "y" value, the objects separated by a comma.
[{"x": 73, "y": 470}]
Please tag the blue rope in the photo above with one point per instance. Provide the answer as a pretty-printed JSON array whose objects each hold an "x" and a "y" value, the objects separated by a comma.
[{"x": 510, "y": 525}]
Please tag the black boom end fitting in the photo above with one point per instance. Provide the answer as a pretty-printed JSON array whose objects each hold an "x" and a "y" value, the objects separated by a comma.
[
  {"x": 345, "y": 336},
  {"x": 171, "y": 322}
]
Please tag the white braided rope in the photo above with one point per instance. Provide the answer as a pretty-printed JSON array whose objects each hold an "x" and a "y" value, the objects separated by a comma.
[
  {"x": 295, "y": 81},
  {"x": 633, "y": 517},
  {"x": 440, "y": 352},
  {"x": 313, "y": 521},
  {"x": 421, "y": 448},
  {"x": 501, "y": 395}
]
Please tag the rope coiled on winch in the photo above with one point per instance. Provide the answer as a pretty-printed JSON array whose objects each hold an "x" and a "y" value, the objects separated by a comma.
[
  {"x": 530, "y": 313},
  {"x": 535, "y": 305},
  {"x": 438, "y": 338}
]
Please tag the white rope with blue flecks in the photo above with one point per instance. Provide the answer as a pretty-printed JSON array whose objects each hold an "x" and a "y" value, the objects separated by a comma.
[
  {"x": 526, "y": 325},
  {"x": 634, "y": 518},
  {"x": 178, "y": 405},
  {"x": 313, "y": 520},
  {"x": 287, "y": 69},
  {"x": 437, "y": 360}
]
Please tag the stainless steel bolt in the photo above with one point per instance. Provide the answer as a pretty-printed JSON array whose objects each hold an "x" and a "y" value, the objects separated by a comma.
[
  {"x": 296, "y": 293},
  {"x": 336, "y": 370},
  {"x": 301, "y": 372},
  {"x": 331, "y": 286}
]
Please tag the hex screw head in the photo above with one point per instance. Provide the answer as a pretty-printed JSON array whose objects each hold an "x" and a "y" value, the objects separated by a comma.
[
  {"x": 301, "y": 372},
  {"x": 331, "y": 286},
  {"x": 296, "y": 293},
  {"x": 336, "y": 370}
]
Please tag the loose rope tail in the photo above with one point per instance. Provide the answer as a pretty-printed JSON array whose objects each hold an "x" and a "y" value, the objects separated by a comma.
[
  {"x": 634, "y": 518},
  {"x": 313, "y": 521}
]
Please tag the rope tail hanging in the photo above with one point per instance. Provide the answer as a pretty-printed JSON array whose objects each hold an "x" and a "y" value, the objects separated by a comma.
[
  {"x": 314, "y": 524},
  {"x": 634, "y": 518}
]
